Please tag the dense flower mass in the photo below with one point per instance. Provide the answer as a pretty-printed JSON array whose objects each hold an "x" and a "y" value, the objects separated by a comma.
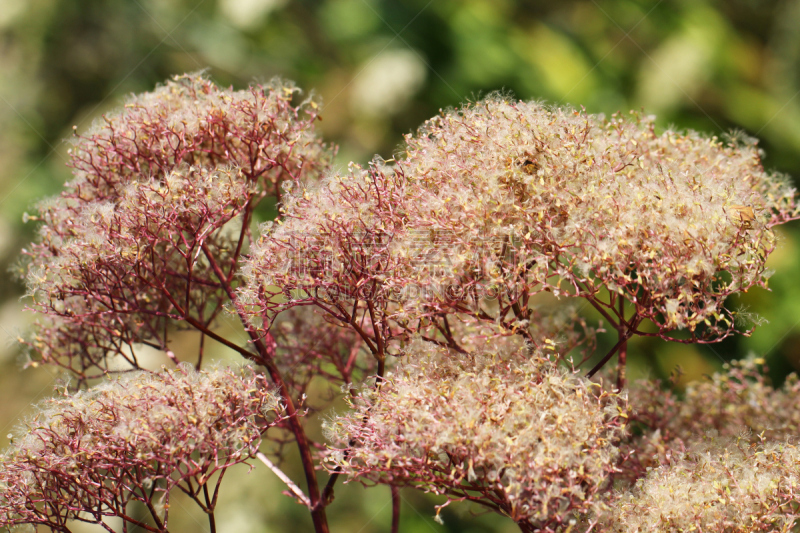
[
  {"x": 190, "y": 121},
  {"x": 503, "y": 200},
  {"x": 134, "y": 438},
  {"x": 740, "y": 398},
  {"x": 511, "y": 431},
  {"x": 332, "y": 250},
  {"x": 149, "y": 233},
  {"x": 584, "y": 202},
  {"x": 718, "y": 485},
  {"x": 738, "y": 402},
  {"x": 115, "y": 254}
]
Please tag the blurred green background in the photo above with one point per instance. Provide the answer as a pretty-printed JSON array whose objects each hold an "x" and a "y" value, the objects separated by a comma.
[{"x": 381, "y": 67}]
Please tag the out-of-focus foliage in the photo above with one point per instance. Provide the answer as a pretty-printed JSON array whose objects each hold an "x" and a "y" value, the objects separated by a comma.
[{"x": 381, "y": 67}]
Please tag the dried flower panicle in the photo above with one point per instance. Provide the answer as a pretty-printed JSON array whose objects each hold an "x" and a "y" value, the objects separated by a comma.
[
  {"x": 737, "y": 402},
  {"x": 133, "y": 267},
  {"x": 501, "y": 200},
  {"x": 518, "y": 434},
  {"x": 148, "y": 235},
  {"x": 553, "y": 199},
  {"x": 191, "y": 121},
  {"x": 331, "y": 250},
  {"x": 719, "y": 485},
  {"x": 344, "y": 245},
  {"x": 331, "y": 247},
  {"x": 163, "y": 222},
  {"x": 136, "y": 437}
]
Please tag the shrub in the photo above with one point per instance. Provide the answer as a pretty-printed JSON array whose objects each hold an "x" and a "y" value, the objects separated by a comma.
[{"x": 411, "y": 286}]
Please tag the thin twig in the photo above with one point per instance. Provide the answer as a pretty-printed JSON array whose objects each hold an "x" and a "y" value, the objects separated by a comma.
[{"x": 283, "y": 477}]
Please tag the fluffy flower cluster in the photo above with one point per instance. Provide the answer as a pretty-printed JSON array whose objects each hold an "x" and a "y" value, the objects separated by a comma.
[
  {"x": 149, "y": 233},
  {"x": 719, "y": 485},
  {"x": 345, "y": 246},
  {"x": 513, "y": 432},
  {"x": 332, "y": 249},
  {"x": 501, "y": 200},
  {"x": 738, "y": 402},
  {"x": 190, "y": 121},
  {"x": 738, "y": 399},
  {"x": 157, "y": 225},
  {"x": 88, "y": 455},
  {"x": 580, "y": 201},
  {"x": 133, "y": 266}
]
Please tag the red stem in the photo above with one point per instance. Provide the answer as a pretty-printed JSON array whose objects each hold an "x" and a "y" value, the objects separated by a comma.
[
  {"x": 623, "y": 349},
  {"x": 395, "y": 509},
  {"x": 267, "y": 359},
  {"x": 624, "y": 336}
]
